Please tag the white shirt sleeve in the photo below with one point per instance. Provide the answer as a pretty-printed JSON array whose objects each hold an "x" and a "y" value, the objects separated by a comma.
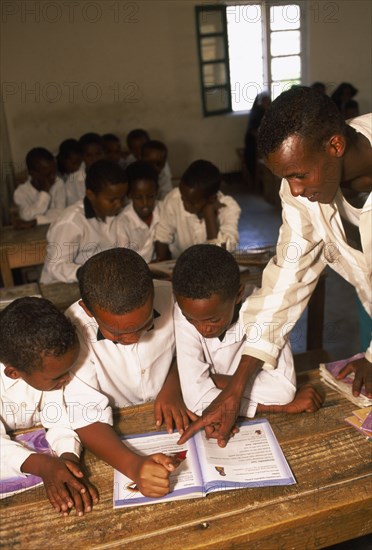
[
  {"x": 12, "y": 455},
  {"x": 228, "y": 219},
  {"x": 63, "y": 246},
  {"x": 198, "y": 388},
  {"x": 166, "y": 228},
  {"x": 30, "y": 207}
]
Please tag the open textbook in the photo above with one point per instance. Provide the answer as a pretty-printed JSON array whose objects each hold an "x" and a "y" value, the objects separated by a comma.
[
  {"x": 35, "y": 441},
  {"x": 252, "y": 458},
  {"x": 328, "y": 373}
]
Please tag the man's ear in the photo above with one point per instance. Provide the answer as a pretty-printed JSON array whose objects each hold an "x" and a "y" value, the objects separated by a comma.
[
  {"x": 12, "y": 372},
  {"x": 337, "y": 145},
  {"x": 81, "y": 304},
  {"x": 240, "y": 294}
]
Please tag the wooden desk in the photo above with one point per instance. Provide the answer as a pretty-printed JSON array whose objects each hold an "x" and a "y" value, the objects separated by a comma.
[
  {"x": 331, "y": 502},
  {"x": 62, "y": 295},
  {"x": 21, "y": 248}
]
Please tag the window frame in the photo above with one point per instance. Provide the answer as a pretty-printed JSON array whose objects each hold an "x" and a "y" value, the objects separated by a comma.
[{"x": 267, "y": 57}]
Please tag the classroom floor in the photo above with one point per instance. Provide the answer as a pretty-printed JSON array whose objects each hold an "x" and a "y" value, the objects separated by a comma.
[{"x": 259, "y": 225}]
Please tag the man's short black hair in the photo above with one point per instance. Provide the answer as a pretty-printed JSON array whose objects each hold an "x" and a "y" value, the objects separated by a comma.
[
  {"x": 117, "y": 280},
  {"x": 206, "y": 269},
  {"x": 37, "y": 154},
  {"x": 102, "y": 173},
  {"x": 303, "y": 112},
  {"x": 31, "y": 328},
  {"x": 141, "y": 170},
  {"x": 203, "y": 175}
]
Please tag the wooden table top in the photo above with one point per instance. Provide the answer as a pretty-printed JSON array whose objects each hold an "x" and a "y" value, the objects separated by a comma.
[
  {"x": 331, "y": 502},
  {"x": 10, "y": 236}
]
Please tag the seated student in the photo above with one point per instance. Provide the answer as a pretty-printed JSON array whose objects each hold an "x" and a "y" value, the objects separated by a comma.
[
  {"x": 69, "y": 158},
  {"x": 42, "y": 198},
  {"x": 112, "y": 149},
  {"x": 141, "y": 216},
  {"x": 210, "y": 338},
  {"x": 92, "y": 150},
  {"x": 135, "y": 141},
  {"x": 196, "y": 212},
  {"x": 87, "y": 226},
  {"x": 156, "y": 153},
  {"x": 125, "y": 325},
  {"x": 38, "y": 347}
]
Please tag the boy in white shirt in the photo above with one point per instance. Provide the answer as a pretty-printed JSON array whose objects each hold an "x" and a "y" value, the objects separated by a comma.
[
  {"x": 135, "y": 141},
  {"x": 197, "y": 212},
  {"x": 141, "y": 216},
  {"x": 125, "y": 326},
  {"x": 88, "y": 226},
  {"x": 156, "y": 153},
  {"x": 91, "y": 146},
  {"x": 210, "y": 339},
  {"x": 69, "y": 158},
  {"x": 38, "y": 347},
  {"x": 42, "y": 198}
]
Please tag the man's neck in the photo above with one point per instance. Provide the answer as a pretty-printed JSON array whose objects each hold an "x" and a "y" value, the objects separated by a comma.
[{"x": 357, "y": 166}]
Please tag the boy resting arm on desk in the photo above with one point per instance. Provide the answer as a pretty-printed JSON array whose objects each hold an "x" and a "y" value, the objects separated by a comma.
[
  {"x": 125, "y": 325},
  {"x": 42, "y": 198},
  {"x": 38, "y": 347},
  {"x": 87, "y": 226},
  {"x": 210, "y": 339},
  {"x": 197, "y": 212}
]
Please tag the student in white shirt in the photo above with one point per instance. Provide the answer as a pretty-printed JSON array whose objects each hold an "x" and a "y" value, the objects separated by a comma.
[
  {"x": 156, "y": 153},
  {"x": 69, "y": 158},
  {"x": 112, "y": 149},
  {"x": 87, "y": 226},
  {"x": 135, "y": 140},
  {"x": 210, "y": 338},
  {"x": 42, "y": 198},
  {"x": 197, "y": 212},
  {"x": 305, "y": 140},
  {"x": 38, "y": 347},
  {"x": 141, "y": 216},
  {"x": 91, "y": 147},
  {"x": 125, "y": 326}
]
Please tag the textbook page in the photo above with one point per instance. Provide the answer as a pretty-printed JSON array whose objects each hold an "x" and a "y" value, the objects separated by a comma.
[
  {"x": 185, "y": 482},
  {"x": 252, "y": 458}
]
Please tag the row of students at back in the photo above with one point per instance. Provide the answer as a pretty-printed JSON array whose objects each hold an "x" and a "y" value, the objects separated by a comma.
[
  {"x": 195, "y": 212},
  {"x": 42, "y": 197},
  {"x": 128, "y": 328}
]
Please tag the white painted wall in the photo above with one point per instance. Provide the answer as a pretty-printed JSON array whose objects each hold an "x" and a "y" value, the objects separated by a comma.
[{"x": 69, "y": 67}]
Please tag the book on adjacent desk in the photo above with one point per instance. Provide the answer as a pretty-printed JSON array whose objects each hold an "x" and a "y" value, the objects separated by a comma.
[
  {"x": 252, "y": 458},
  {"x": 11, "y": 293},
  {"x": 361, "y": 420},
  {"x": 35, "y": 441},
  {"x": 328, "y": 373}
]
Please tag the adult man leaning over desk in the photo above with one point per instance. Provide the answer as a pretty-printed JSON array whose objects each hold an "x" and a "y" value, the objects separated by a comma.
[{"x": 304, "y": 140}]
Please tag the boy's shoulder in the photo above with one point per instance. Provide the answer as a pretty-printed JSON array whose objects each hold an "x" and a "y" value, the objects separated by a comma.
[{"x": 74, "y": 212}]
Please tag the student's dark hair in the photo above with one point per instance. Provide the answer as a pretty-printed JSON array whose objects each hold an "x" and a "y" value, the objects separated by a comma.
[
  {"x": 37, "y": 154},
  {"x": 299, "y": 111},
  {"x": 102, "y": 173},
  {"x": 137, "y": 133},
  {"x": 203, "y": 175},
  {"x": 110, "y": 137},
  {"x": 117, "y": 280},
  {"x": 67, "y": 147},
  {"x": 31, "y": 328},
  {"x": 206, "y": 269},
  {"x": 88, "y": 139},
  {"x": 154, "y": 144},
  {"x": 141, "y": 170}
]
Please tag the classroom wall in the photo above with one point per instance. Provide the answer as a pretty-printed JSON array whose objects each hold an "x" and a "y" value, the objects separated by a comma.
[{"x": 71, "y": 67}]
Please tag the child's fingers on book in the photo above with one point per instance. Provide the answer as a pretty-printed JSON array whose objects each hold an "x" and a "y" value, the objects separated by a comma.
[{"x": 59, "y": 497}]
